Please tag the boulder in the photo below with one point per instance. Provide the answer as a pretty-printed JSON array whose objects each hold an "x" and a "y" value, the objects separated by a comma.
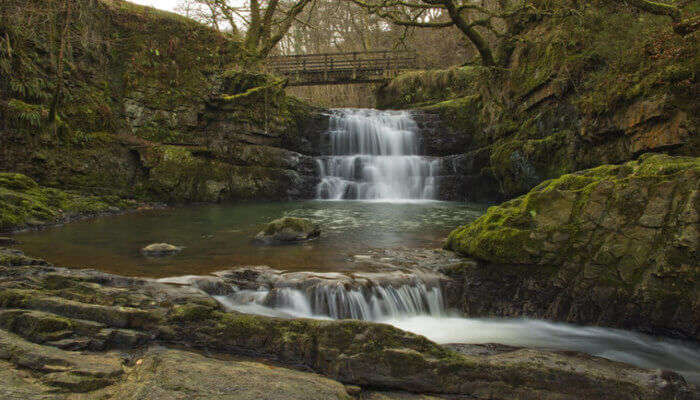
[
  {"x": 615, "y": 245},
  {"x": 289, "y": 230},
  {"x": 160, "y": 250}
]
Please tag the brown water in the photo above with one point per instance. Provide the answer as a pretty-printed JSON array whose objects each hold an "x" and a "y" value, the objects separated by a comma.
[{"x": 217, "y": 237}]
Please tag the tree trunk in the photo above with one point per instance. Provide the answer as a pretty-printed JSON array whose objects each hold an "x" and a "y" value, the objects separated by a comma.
[
  {"x": 53, "y": 113},
  {"x": 657, "y": 8},
  {"x": 482, "y": 46}
]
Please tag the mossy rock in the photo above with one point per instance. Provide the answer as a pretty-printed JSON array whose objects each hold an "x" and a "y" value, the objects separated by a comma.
[
  {"x": 289, "y": 230},
  {"x": 24, "y": 203},
  {"x": 571, "y": 216}
]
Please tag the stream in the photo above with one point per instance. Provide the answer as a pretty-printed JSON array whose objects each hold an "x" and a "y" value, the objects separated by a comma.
[{"x": 376, "y": 191}]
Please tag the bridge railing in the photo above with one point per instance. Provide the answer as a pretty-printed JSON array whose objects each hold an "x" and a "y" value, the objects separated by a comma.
[{"x": 333, "y": 64}]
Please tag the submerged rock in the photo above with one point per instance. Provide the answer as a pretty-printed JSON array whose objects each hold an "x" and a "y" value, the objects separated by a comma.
[
  {"x": 615, "y": 245},
  {"x": 160, "y": 250},
  {"x": 289, "y": 230}
]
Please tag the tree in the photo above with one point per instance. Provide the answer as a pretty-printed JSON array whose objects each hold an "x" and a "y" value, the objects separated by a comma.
[
  {"x": 657, "y": 8},
  {"x": 260, "y": 25},
  {"x": 477, "y": 21},
  {"x": 53, "y": 112},
  {"x": 680, "y": 26},
  {"x": 466, "y": 15}
]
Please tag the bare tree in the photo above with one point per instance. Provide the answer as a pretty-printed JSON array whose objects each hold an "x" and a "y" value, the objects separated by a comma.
[
  {"x": 466, "y": 15},
  {"x": 259, "y": 24},
  {"x": 474, "y": 20}
]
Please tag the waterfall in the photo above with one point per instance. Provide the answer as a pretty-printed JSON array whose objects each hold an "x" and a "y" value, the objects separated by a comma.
[
  {"x": 366, "y": 296},
  {"x": 375, "y": 155}
]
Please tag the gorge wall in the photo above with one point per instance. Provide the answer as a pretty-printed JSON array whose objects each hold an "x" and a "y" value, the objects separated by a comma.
[
  {"x": 576, "y": 92},
  {"x": 155, "y": 106}
]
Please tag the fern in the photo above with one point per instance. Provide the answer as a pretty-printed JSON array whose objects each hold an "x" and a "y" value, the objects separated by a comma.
[{"x": 25, "y": 114}]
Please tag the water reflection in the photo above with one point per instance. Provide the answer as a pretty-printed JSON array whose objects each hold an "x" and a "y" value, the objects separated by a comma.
[{"x": 219, "y": 236}]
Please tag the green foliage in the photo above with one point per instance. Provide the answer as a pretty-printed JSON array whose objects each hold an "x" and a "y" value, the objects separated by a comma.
[
  {"x": 25, "y": 114},
  {"x": 115, "y": 50}
]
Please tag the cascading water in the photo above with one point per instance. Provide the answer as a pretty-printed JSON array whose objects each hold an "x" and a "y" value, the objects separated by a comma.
[
  {"x": 414, "y": 302},
  {"x": 365, "y": 296},
  {"x": 375, "y": 155}
]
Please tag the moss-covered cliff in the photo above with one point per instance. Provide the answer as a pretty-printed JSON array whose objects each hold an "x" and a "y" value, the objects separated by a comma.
[
  {"x": 577, "y": 91},
  {"x": 155, "y": 106},
  {"x": 614, "y": 245}
]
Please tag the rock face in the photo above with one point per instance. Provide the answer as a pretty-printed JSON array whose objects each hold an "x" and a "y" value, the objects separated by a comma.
[
  {"x": 289, "y": 230},
  {"x": 223, "y": 134},
  {"x": 66, "y": 332},
  {"x": 556, "y": 108},
  {"x": 615, "y": 245},
  {"x": 160, "y": 250}
]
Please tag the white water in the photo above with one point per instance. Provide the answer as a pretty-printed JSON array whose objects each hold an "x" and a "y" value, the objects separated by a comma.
[
  {"x": 417, "y": 306},
  {"x": 348, "y": 298},
  {"x": 375, "y": 156}
]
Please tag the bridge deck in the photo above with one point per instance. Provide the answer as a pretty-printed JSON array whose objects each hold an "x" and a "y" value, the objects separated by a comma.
[{"x": 341, "y": 68}]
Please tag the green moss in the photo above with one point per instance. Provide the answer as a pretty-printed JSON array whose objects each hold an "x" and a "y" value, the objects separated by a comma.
[
  {"x": 23, "y": 201},
  {"x": 520, "y": 164},
  {"x": 546, "y": 224},
  {"x": 418, "y": 88},
  {"x": 37, "y": 326},
  {"x": 16, "y": 181},
  {"x": 192, "y": 312},
  {"x": 461, "y": 113},
  {"x": 290, "y": 223}
]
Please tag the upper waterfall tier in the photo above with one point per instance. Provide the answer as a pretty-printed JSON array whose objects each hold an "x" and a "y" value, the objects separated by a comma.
[
  {"x": 375, "y": 155},
  {"x": 372, "y": 132}
]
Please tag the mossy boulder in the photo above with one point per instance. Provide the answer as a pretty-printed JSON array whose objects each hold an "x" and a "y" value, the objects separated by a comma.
[
  {"x": 628, "y": 230},
  {"x": 289, "y": 230},
  {"x": 654, "y": 197}
]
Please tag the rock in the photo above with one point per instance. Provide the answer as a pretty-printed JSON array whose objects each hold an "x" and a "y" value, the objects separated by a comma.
[
  {"x": 353, "y": 390},
  {"x": 18, "y": 384},
  {"x": 44, "y": 303},
  {"x": 160, "y": 250},
  {"x": 11, "y": 257},
  {"x": 175, "y": 374},
  {"x": 610, "y": 246},
  {"x": 8, "y": 241},
  {"x": 289, "y": 230}
]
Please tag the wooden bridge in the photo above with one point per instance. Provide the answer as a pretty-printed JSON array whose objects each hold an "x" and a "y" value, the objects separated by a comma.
[{"x": 341, "y": 68}]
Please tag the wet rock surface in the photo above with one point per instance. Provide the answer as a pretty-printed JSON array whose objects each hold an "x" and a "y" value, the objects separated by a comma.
[
  {"x": 66, "y": 332},
  {"x": 160, "y": 250}
]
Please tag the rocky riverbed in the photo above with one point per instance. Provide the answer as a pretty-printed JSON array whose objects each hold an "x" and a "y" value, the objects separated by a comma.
[{"x": 86, "y": 334}]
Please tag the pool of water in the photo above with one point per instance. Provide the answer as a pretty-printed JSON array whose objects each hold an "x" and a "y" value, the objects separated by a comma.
[{"x": 218, "y": 237}]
